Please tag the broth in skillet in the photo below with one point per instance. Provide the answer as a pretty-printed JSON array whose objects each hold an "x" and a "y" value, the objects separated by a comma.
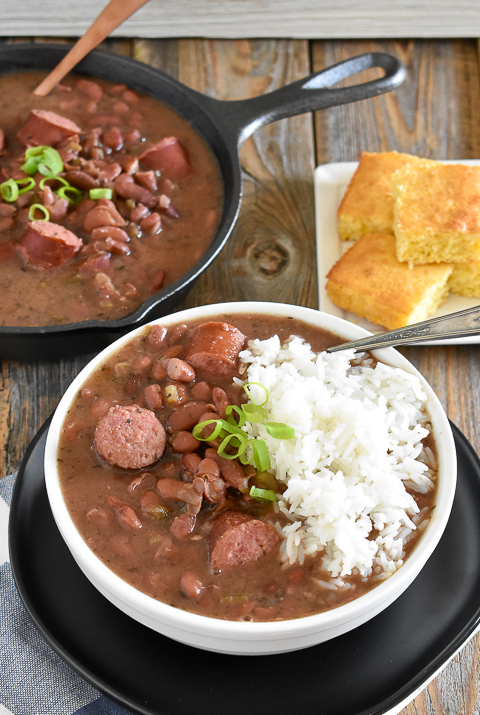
[{"x": 107, "y": 196}]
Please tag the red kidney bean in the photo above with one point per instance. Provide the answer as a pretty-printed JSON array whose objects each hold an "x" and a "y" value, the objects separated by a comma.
[
  {"x": 191, "y": 585},
  {"x": 104, "y": 286},
  {"x": 102, "y": 216},
  {"x": 91, "y": 106},
  {"x": 190, "y": 461},
  {"x": 166, "y": 547},
  {"x": 6, "y": 210},
  {"x": 157, "y": 280},
  {"x": 186, "y": 416},
  {"x": 113, "y": 138},
  {"x": 156, "y": 336},
  {"x": 180, "y": 370},
  {"x": 178, "y": 332},
  {"x": 152, "y": 224},
  {"x": 58, "y": 210},
  {"x": 214, "y": 488},
  {"x": 147, "y": 179},
  {"x": 129, "y": 164},
  {"x": 202, "y": 391},
  {"x": 153, "y": 397},
  {"x": 129, "y": 96},
  {"x": 120, "y": 107},
  {"x": 133, "y": 384},
  {"x": 100, "y": 407},
  {"x": 143, "y": 363},
  {"x": 132, "y": 136},
  {"x": 81, "y": 180},
  {"x": 182, "y": 526},
  {"x": 124, "y": 513},
  {"x": 120, "y": 249},
  {"x": 114, "y": 232},
  {"x": 208, "y": 466},
  {"x": 185, "y": 442},
  {"x": 220, "y": 400},
  {"x": 138, "y": 213},
  {"x": 128, "y": 189},
  {"x": 122, "y": 547},
  {"x": 158, "y": 371},
  {"x": 91, "y": 89}
]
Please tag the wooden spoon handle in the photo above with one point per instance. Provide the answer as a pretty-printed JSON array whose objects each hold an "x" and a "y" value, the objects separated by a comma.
[{"x": 111, "y": 17}]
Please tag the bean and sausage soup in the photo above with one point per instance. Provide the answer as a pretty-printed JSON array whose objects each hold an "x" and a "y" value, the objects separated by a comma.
[
  {"x": 106, "y": 196},
  {"x": 168, "y": 493}
]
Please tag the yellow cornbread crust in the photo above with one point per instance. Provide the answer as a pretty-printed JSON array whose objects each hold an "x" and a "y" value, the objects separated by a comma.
[
  {"x": 437, "y": 213},
  {"x": 369, "y": 281},
  {"x": 465, "y": 279},
  {"x": 367, "y": 206}
]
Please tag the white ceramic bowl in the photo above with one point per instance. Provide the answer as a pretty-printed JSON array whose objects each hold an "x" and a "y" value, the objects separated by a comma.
[{"x": 252, "y": 638}]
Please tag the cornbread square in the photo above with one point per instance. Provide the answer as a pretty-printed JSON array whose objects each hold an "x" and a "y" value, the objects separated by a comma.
[
  {"x": 437, "y": 213},
  {"x": 367, "y": 206},
  {"x": 465, "y": 279},
  {"x": 369, "y": 281}
]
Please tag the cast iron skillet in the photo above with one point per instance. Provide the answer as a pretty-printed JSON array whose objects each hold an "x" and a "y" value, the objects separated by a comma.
[{"x": 224, "y": 125}]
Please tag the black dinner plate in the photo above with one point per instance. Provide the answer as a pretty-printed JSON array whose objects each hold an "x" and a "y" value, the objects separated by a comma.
[{"x": 365, "y": 672}]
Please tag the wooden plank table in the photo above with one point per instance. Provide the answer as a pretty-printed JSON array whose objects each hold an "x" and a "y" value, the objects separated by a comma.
[{"x": 271, "y": 255}]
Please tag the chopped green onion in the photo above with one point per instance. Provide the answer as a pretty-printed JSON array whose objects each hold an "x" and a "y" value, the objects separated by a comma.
[
  {"x": 71, "y": 193},
  {"x": 254, "y": 413},
  {"x": 9, "y": 190},
  {"x": 249, "y": 393},
  {"x": 244, "y": 457},
  {"x": 198, "y": 430},
  {"x": 44, "y": 159},
  {"x": 60, "y": 179},
  {"x": 263, "y": 494},
  {"x": 279, "y": 430},
  {"x": 231, "y": 419},
  {"x": 25, "y": 184},
  {"x": 100, "y": 193},
  {"x": 38, "y": 207},
  {"x": 260, "y": 455},
  {"x": 242, "y": 444}
]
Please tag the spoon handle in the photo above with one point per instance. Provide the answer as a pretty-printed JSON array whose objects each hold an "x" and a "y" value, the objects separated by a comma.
[
  {"x": 454, "y": 325},
  {"x": 111, "y": 17}
]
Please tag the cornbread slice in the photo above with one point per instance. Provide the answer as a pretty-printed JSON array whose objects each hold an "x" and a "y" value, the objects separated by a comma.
[
  {"x": 465, "y": 279},
  {"x": 369, "y": 281},
  {"x": 367, "y": 206},
  {"x": 437, "y": 213}
]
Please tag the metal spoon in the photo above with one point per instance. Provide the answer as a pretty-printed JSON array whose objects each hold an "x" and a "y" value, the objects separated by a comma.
[
  {"x": 111, "y": 17},
  {"x": 454, "y": 325}
]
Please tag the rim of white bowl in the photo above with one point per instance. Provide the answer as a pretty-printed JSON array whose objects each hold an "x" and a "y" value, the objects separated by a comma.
[{"x": 384, "y": 592}]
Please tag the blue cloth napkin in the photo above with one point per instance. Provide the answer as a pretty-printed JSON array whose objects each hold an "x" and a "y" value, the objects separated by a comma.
[{"x": 33, "y": 679}]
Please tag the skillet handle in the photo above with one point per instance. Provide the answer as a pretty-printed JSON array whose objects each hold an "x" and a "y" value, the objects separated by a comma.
[{"x": 243, "y": 117}]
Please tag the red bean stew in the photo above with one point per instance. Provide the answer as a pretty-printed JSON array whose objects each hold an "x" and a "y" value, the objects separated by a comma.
[
  {"x": 106, "y": 196},
  {"x": 166, "y": 511}
]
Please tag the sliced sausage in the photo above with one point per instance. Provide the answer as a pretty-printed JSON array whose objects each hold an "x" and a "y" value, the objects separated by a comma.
[
  {"x": 214, "y": 348},
  {"x": 45, "y": 244},
  {"x": 130, "y": 437},
  {"x": 46, "y": 128},
  {"x": 224, "y": 522},
  {"x": 243, "y": 543},
  {"x": 169, "y": 157}
]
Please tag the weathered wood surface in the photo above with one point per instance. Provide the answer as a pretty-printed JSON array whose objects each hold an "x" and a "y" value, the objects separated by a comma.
[
  {"x": 271, "y": 255},
  {"x": 251, "y": 18}
]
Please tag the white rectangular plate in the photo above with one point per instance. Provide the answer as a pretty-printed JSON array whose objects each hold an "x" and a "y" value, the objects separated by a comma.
[{"x": 331, "y": 181}]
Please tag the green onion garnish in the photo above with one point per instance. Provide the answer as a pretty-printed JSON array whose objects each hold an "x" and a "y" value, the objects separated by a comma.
[
  {"x": 44, "y": 159},
  {"x": 25, "y": 184},
  {"x": 263, "y": 494},
  {"x": 100, "y": 193},
  {"x": 71, "y": 193},
  {"x": 198, "y": 430},
  {"x": 246, "y": 387},
  {"x": 231, "y": 419},
  {"x": 238, "y": 443},
  {"x": 60, "y": 179},
  {"x": 279, "y": 430},
  {"x": 260, "y": 455},
  {"x": 254, "y": 413},
  {"x": 38, "y": 207},
  {"x": 9, "y": 190}
]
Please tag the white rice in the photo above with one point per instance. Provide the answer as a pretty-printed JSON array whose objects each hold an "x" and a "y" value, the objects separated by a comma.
[{"x": 358, "y": 443}]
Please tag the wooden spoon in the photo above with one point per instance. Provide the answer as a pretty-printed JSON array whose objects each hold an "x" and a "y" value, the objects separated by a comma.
[{"x": 111, "y": 17}]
